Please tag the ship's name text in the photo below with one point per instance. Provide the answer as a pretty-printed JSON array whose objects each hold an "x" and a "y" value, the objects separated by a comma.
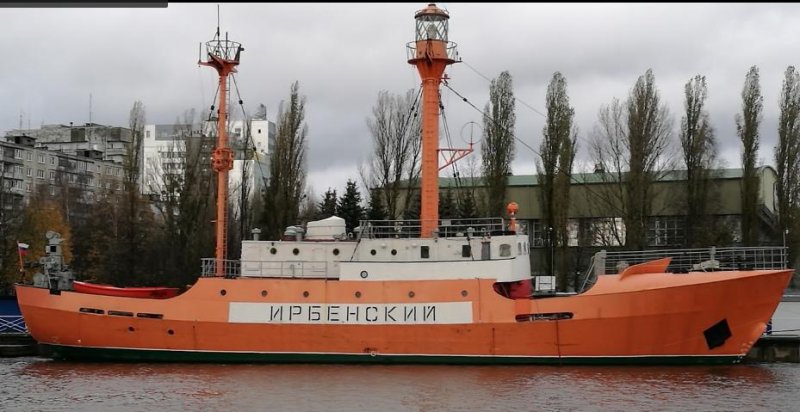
[{"x": 351, "y": 313}]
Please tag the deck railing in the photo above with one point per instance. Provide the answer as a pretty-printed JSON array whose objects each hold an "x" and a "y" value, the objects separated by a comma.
[
  {"x": 286, "y": 269},
  {"x": 687, "y": 260},
  {"x": 447, "y": 228},
  {"x": 706, "y": 259}
]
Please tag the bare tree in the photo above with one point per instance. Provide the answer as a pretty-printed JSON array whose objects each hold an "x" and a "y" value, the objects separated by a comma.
[
  {"x": 699, "y": 153},
  {"x": 557, "y": 153},
  {"x": 288, "y": 166},
  {"x": 186, "y": 202},
  {"x": 630, "y": 146},
  {"x": 395, "y": 163},
  {"x": 497, "y": 149},
  {"x": 747, "y": 127},
  {"x": 787, "y": 157},
  {"x": 136, "y": 218}
]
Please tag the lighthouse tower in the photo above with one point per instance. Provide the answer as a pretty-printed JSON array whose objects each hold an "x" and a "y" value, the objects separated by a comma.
[{"x": 431, "y": 52}]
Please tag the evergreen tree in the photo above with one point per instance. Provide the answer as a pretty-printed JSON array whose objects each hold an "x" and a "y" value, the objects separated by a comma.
[
  {"x": 350, "y": 207},
  {"x": 375, "y": 209},
  {"x": 327, "y": 207},
  {"x": 447, "y": 206},
  {"x": 412, "y": 212},
  {"x": 467, "y": 207}
]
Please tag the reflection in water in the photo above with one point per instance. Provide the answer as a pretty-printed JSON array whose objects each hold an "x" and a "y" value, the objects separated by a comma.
[{"x": 39, "y": 384}]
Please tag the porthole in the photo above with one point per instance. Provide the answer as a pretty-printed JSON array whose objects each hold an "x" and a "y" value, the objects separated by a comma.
[
  {"x": 358, "y": 294},
  {"x": 394, "y": 252},
  {"x": 464, "y": 293},
  {"x": 411, "y": 294},
  {"x": 263, "y": 293},
  {"x": 305, "y": 294},
  {"x": 223, "y": 292},
  {"x": 273, "y": 251},
  {"x": 372, "y": 252},
  {"x": 296, "y": 251},
  {"x": 335, "y": 252},
  {"x": 364, "y": 274},
  {"x": 131, "y": 329},
  {"x": 171, "y": 332}
]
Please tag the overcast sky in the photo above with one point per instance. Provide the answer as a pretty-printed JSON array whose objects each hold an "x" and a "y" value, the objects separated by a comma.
[{"x": 344, "y": 54}]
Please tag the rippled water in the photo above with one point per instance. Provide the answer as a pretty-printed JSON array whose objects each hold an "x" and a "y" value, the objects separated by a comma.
[{"x": 28, "y": 384}]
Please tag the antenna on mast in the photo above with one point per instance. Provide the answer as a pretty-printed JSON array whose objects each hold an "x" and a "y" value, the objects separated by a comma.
[
  {"x": 217, "y": 20},
  {"x": 90, "y": 107}
]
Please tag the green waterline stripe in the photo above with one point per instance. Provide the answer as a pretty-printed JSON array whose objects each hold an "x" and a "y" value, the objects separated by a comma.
[{"x": 157, "y": 355}]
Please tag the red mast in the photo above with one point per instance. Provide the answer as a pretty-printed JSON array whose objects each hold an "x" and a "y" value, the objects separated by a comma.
[
  {"x": 431, "y": 52},
  {"x": 223, "y": 55}
]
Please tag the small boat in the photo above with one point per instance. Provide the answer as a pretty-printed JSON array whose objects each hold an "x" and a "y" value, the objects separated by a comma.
[{"x": 140, "y": 292}]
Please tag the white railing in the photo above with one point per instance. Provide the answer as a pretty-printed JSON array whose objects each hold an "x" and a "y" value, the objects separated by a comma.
[
  {"x": 278, "y": 269},
  {"x": 12, "y": 324},
  {"x": 451, "y": 50},
  {"x": 686, "y": 260},
  {"x": 447, "y": 228},
  {"x": 706, "y": 259}
]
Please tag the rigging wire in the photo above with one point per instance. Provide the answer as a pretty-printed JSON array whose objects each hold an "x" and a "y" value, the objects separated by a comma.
[
  {"x": 249, "y": 142},
  {"x": 524, "y": 103},
  {"x": 559, "y": 170}
]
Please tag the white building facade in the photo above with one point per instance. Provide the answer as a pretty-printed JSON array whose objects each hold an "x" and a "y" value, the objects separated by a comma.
[{"x": 164, "y": 153}]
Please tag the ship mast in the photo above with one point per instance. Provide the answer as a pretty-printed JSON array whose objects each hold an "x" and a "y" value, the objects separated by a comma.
[
  {"x": 431, "y": 52},
  {"x": 222, "y": 55}
]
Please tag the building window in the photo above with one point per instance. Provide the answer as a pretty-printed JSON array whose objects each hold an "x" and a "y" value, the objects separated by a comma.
[
  {"x": 52, "y": 160},
  {"x": 607, "y": 231},
  {"x": 665, "y": 231},
  {"x": 52, "y": 175},
  {"x": 28, "y": 172},
  {"x": 147, "y": 134},
  {"x": 537, "y": 233},
  {"x": 41, "y": 158},
  {"x": 28, "y": 156},
  {"x": 18, "y": 153},
  {"x": 40, "y": 174}
]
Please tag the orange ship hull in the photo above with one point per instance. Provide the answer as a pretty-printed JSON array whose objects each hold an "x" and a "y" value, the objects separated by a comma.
[{"x": 646, "y": 318}]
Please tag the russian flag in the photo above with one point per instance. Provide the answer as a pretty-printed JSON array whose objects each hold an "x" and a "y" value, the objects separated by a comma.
[{"x": 23, "y": 248}]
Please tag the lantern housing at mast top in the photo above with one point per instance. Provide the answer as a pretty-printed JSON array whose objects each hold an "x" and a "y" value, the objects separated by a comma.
[
  {"x": 432, "y": 23},
  {"x": 433, "y": 31}
]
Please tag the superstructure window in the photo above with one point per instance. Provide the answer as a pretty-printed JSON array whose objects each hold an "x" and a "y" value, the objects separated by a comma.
[{"x": 424, "y": 252}]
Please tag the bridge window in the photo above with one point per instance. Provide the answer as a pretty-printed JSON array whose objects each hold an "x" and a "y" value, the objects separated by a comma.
[
  {"x": 466, "y": 251},
  {"x": 424, "y": 252},
  {"x": 505, "y": 250}
]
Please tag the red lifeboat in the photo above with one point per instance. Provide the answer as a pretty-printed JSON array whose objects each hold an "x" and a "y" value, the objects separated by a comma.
[{"x": 141, "y": 293}]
